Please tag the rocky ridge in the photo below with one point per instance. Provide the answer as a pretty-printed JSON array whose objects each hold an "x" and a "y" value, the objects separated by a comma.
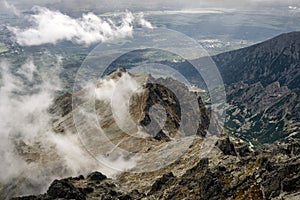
[{"x": 231, "y": 170}]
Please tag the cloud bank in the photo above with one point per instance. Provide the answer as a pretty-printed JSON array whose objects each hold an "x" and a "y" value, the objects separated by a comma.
[{"x": 50, "y": 26}]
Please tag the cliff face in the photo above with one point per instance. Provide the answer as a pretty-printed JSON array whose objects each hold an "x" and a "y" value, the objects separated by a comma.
[
  {"x": 172, "y": 96},
  {"x": 162, "y": 110}
]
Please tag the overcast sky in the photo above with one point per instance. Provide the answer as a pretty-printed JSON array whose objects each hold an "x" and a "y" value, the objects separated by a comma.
[{"x": 114, "y": 5}]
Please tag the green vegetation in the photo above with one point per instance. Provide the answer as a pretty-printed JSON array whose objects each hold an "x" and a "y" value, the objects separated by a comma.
[{"x": 3, "y": 48}]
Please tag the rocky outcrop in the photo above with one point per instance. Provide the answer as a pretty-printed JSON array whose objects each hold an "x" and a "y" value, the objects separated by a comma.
[
  {"x": 271, "y": 172},
  {"x": 170, "y": 94},
  {"x": 165, "y": 92},
  {"x": 226, "y": 146}
]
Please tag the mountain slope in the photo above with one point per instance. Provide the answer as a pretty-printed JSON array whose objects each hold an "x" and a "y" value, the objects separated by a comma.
[
  {"x": 277, "y": 59},
  {"x": 262, "y": 114},
  {"x": 230, "y": 171},
  {"x": 262, "y": 86}
]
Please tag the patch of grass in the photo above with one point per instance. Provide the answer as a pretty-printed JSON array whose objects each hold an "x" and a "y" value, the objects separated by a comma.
[{"x": 3, "y": 48}]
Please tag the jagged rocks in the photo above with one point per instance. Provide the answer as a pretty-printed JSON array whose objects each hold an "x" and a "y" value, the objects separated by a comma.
[
  {"x": 178, "y": 104},
  {"x": 64, "y": 189},
  {"x": 291, "y": 184},
  {"x": 160, "y": 182},
  {"x": 243, "y": 150},
  {"x": 263, "y": 175},
  {"x": 294, "y": 147},
  {"x": 226, "y": 146},
  {"x": 201, "y": 165},
  {"x": 161, "y": 136},
  {"x": 284, "y": 178},
  {"x": 210, "y": 186},
  {"x": 96, "y": 176},
  {"x": 62, "y": 105}
]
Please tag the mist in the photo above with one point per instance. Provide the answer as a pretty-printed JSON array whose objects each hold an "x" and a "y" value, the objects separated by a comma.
[
  {"x": 32, "y": 154},
  {"x": 134, "y": 5}
]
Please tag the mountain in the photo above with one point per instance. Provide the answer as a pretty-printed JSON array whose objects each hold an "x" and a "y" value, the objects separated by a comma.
[
  {"x": 277, "y": 59},
  {"x": 256, "y": 157},
  {"x": 155, "y": 91},
  {"x": 262, "y": 86},
  {"x": 230, "y": 170},
  {"x": 151, "y": 103}
]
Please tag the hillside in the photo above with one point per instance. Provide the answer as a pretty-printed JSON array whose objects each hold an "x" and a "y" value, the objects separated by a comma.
[
  {"x": 262, "y": 86},
  {"x": 277, "y": 59},
  {"x": 230, "y": 171}
]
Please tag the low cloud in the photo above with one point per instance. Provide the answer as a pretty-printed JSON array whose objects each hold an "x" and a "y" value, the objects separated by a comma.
[
  {"x": 118, "y": 93},
  {"x": 144, "y": 22},
  {"x": 31, "y": 153},
  {"x": 48, "y": 26}
]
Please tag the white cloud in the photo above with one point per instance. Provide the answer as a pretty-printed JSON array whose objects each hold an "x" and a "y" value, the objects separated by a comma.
[
  {"x": 25, "y": 119},
  {"x": 118, "y": 92},
  {"x": 50, "y": 26},
  {"x": 26, "y": 94},
  {"x": 23, "y": 116},
  {"x": 144, "y": 22}
]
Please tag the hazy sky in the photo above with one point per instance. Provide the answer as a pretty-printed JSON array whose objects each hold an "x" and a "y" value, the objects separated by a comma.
[{"x": 113, "y": 5}]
